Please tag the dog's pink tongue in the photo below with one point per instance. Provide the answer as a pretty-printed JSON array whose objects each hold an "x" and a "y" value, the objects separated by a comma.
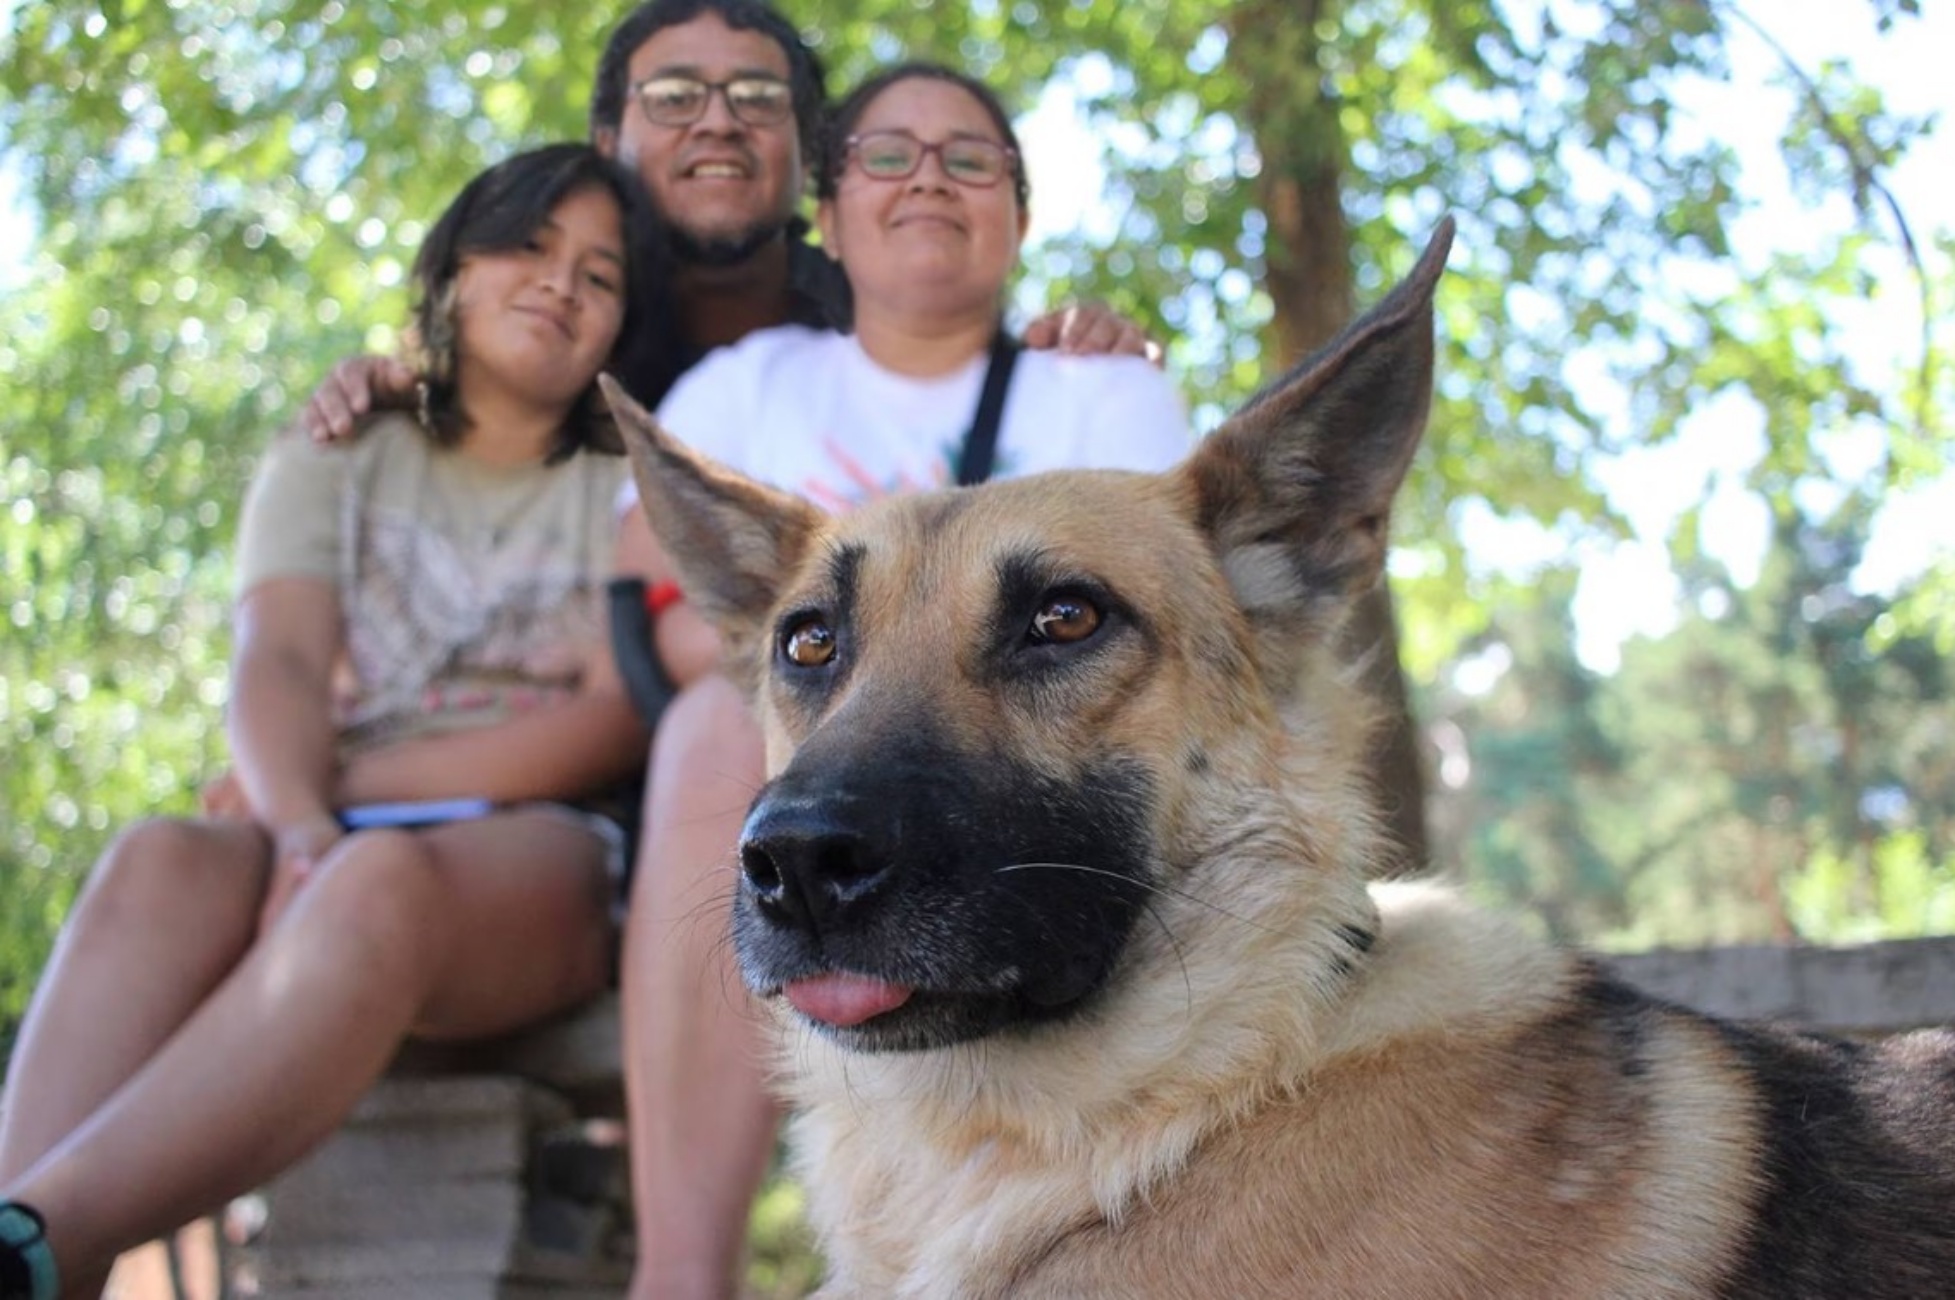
[{"x": 844, "y": 1000}]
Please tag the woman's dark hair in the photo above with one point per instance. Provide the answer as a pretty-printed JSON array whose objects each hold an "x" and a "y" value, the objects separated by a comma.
[
  {"x": 498, "y": 211},
  {"x": 611, "y": 93},
  {"x": 841, "y": 123}
]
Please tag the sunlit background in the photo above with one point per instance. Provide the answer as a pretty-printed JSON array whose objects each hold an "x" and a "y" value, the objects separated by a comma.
[{"x": 1675, "y": 569}]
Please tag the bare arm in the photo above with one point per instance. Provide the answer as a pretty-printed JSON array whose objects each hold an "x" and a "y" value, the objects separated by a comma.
[
  {"x": 280, "y": 720},
  {"x": 281, "y": 726},
  {"x": 686, "y": 645}
]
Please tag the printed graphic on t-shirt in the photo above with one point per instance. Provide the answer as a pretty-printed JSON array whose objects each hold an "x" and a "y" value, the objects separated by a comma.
[
  {"x": 439, "y": 631},
  {"x": 849, "y": 484},
  {"x": 469, "y": 593}
]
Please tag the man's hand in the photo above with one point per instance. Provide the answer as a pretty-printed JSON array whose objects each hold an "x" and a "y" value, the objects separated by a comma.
[
  {"x": 350, "y": 393},
  {"x": 1091, "y": 329},
  {"x": 297, "y": 849}
]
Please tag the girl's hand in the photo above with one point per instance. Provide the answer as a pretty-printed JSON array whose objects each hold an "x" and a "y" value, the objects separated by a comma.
[
  {"x": 225, "y": 797},
  {"x": 296, "y": 851}
]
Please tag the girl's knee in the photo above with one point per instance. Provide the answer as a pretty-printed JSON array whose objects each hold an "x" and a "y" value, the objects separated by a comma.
[
  {"x": 377, "y": 890},
  {"x": 163, "y": 867}
]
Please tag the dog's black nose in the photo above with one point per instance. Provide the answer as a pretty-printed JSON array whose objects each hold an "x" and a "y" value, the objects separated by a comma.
[{"x": 807, "y": 866}]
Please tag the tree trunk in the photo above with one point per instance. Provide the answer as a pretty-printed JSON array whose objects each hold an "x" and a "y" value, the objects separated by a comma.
[{"x": 1292, "y": 113}]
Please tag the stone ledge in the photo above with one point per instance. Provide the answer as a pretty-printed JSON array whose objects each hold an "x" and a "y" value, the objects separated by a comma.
[
  {"x": 578, "y": 1055},
  {"x": 466, "y": 1187},
  {"x": 1875, "y": 988}
]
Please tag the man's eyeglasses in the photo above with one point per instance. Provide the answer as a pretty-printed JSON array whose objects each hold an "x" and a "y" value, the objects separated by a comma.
[
  {"x": 673, "y": 100},
  {"x": 896, "y": 155}
]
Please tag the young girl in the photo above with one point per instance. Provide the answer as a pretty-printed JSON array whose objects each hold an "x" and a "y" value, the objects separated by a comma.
[{"x": 420, "y": 617}]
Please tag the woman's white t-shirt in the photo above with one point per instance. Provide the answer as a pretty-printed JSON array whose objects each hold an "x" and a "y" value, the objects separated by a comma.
[{"x": 808, "y": 411}]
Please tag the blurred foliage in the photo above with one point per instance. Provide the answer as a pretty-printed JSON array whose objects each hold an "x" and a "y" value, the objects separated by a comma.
[
  {"x": 782, "y": 1260},
  {"x": 1781, "y": 767},
  {"x": 227, "y": 198},
  {"x": 226, "y": 194}
]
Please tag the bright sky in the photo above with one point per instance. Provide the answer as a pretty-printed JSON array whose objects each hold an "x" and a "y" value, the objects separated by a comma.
[
  {"x": 15, "y": 229},
  {"x": 1628, "y": 589}
]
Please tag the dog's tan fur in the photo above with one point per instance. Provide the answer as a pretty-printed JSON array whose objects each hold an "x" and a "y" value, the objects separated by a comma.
[{"x": 1253, "y": 1104}]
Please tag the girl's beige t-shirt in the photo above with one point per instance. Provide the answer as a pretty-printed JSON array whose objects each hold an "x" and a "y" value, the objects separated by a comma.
[{"x": 470, "y": 592}]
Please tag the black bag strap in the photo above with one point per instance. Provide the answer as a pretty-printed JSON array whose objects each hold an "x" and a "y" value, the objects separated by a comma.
[
  {"x": 647, "y": 684},
  {"x": 981, "y": 443}
]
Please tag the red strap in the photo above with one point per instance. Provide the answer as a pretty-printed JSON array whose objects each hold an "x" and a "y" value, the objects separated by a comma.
[{"x": 662, "y": 596}]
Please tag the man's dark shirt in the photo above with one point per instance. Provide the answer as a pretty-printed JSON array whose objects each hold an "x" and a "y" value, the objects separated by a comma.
[
  {"x": 818, "y": 291},
  {"x": 656, "y": 355}
]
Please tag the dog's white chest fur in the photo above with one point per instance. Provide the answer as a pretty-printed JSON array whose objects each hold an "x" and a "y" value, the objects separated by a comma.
[{"x": 963, "y": 1173}]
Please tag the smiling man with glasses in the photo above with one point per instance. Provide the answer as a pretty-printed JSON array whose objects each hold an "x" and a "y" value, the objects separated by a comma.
[
  {"x": 715, "y": 104},
  {"x": 679, "y": 100}
]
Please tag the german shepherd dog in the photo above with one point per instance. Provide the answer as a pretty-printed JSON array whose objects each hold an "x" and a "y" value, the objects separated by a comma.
[{"x": 1060, "y": 887}]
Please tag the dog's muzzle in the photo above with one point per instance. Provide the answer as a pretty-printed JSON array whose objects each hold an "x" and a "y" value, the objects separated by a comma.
[{"x": 910, "y": 896}]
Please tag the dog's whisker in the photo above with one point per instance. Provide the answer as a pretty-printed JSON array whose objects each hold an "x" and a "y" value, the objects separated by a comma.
[
  {"x": 714, "y": 909},
  {"x": 736, "y": 778},
  {"x": 1180, "y": 958},
  {"x": 1154, "y": 914},
  {"x": 857, "y": 1106},
  {"x": 723, "y": 880},
  {"x": 1167, "y": 891}
]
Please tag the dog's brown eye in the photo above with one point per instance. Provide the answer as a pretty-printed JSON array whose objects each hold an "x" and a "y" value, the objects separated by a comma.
[
  {"x": 1065, "y": 619},
  {"x": 809, "y": 643}
]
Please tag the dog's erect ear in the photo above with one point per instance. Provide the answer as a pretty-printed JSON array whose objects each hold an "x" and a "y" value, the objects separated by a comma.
[
  {"x": 732, "y": 540},
  {"x": 1296, "y": 488}
]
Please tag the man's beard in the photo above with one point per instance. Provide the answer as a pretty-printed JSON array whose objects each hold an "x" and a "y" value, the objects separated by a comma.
[{"x": 723, "y": 250}]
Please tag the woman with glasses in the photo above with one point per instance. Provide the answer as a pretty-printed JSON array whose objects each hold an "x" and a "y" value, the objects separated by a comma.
[
  {"x": 923, "y": 202},
  {"x": 428, "y": 731}
]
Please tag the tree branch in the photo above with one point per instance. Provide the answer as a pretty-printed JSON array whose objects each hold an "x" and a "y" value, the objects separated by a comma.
[{"x": 1866, "y": 176}]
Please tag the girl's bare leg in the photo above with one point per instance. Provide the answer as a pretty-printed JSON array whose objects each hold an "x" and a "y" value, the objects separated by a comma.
[
  {"x": 397, "y": 931},
  {"x": 168, "y": 912},
  {"x": 165, "y": 915}
]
